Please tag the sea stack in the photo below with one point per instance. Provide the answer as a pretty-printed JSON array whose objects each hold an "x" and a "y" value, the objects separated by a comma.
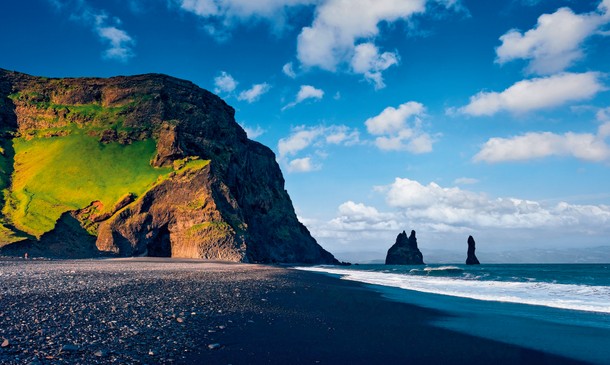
[
  {"x": 472, "y": 258},
  {"x": 405, "y": 251}
]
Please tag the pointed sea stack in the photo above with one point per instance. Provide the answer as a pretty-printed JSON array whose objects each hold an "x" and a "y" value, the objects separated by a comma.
[
  {"x": 472, "y": 258},
  {"x": 405, "y": 251}
]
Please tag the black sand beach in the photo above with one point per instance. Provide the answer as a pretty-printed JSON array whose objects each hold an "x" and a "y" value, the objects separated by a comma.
[{"x": 195, "y": 312}]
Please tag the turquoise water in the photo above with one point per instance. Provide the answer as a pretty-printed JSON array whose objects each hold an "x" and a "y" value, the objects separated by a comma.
[
  {"x": 583, "y": 287},
  {"x": 562, "y": 309}
]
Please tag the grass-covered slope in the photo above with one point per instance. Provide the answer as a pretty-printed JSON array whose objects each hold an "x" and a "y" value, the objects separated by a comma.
[{"x": 55, "y": 175}]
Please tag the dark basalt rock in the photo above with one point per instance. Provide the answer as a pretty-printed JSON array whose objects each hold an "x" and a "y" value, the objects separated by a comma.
[
  {"x": 235, "y": 209},
  {"x": 472, "y": 258},
  {"x": 405, "y": 251}
]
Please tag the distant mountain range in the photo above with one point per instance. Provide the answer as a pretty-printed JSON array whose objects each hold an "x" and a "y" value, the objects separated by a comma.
[{"x": 598, "y": 254}]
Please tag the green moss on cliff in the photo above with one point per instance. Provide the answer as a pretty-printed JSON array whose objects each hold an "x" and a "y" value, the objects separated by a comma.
[
  {"x": 69, "y": 117},
  {"x": 212, "y": 230},
  {"x": 55, "y": 175}
]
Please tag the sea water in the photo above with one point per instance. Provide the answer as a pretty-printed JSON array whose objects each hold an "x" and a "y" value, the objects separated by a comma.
[{"x": 558, "y": 308}]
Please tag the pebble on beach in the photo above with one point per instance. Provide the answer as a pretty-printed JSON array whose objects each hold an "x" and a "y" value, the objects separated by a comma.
[
  {"x": 214, "y": 346},
  {"x": 120, "y": 311}
]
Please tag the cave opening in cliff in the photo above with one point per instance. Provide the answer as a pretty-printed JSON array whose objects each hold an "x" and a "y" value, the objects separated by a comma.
[{"x": 161, "y": 245}]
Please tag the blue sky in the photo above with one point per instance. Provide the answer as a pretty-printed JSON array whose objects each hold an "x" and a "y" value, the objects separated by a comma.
[{"x": 489, "y": 118}]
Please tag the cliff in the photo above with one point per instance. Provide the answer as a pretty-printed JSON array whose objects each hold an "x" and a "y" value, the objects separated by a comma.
[
  {"x": 405, "y": 251},
  {"x": 471, "y": 259},
  {"x": 145, "y": 165}
]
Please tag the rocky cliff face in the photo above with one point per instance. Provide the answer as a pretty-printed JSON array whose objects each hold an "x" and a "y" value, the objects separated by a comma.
[
  {"x": 472, "y": 258},
  {"x": 404, "y": 251},
  {"x": 211, "y": 193}
]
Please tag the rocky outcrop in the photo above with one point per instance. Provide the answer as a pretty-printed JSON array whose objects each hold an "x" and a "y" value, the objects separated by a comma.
[
  {"x": 472, "y": 258},
  {"x": 186, "y": 215},
  {"x": 168, "y": 149},
  {"x": 404, "y": 251},
  {"x": 236, "y": 208}
]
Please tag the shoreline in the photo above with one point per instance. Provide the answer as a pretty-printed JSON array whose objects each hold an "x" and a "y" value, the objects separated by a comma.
[
  {"x": 166, "y": 311},
  {"x": 574, "y": 334}
]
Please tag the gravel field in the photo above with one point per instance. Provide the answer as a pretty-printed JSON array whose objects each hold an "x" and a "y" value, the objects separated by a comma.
[
  {"x": 171, "y": 311},
  {"x": 126, "y": 311}
]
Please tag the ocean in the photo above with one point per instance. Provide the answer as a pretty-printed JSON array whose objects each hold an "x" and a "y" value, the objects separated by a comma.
[{"x": 559, "y": 308}]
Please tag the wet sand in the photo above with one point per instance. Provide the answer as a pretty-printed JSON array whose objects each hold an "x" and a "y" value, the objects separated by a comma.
[{"x": 196, "y": 312}]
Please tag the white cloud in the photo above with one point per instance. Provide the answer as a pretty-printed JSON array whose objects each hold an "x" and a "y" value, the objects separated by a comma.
[
  {"x": 309, "y": 92},
  {"x": 371, "y": 64},
  {"x": 302, "y": 165},
  {"x": 254, "y": 93},
  {"x": 341, "y": 134},
  {"x": 400, "y": 129},
  {"x": 457, "y": 207},
  {"x": 240, "y": 8},
  {"x": 288, "y": 70},
  {"x": 120, "y": 43},
  {"x": 392, "y": 120},
  {"x": 300, "y": 139},
  {"x": 313, "y": 139},
  {"x": 603, "y": 115},
  {"x": 224, "y": 83},
  {"x": 357, "y": 217},
  {"x": 533, "y": 145},
  {"x": 537, "y": 93},
  {"x": 444, "y": 216},
  {"x": 252, "y": 133},
  {"x": 584, "y": 146},
  {"x": 107, "y": 28},
  {"x": 221, "y": 16},
  {"x": 200, "y": 7},
  {"x": 555, "y": 43},
  {"x": 305, "y": 92},
  {"x": 303, "y": 137},
  {"x": 334, "y": 39},
  {"x": 465, "y": 181},
  {"x": 453, "y": 209}
]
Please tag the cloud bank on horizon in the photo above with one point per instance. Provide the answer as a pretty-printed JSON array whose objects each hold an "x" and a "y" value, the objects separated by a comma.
[{"x": 396, "y": 104}]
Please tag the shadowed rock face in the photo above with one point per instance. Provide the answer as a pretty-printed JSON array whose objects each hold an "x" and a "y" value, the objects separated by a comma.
[
  {"x": 472, "y": 258},
  {"x": 67, "y": 240},
  {"x": 235, "y": 208},
  {"x": 405, "y": 251}
]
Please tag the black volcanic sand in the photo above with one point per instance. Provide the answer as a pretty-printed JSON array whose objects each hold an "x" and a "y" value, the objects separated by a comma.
[{"x": 188, "y": 311}]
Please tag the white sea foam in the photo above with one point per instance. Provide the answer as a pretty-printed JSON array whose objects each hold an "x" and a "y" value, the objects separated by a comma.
[
  {"x": 566, "y": 296},
  {"x": 443, "y": 268}
]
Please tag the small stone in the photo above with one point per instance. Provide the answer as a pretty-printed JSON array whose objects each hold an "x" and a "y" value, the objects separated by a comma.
[
  {"x": 179, "y": 320},
  {"x": 214, "y": 346},
  {"x": 221, "y": 327},
  {"x": 101, "y": 353},
  {"x": 151, "y": 353},
  {"x": 5, "y": 343},
  {"x": 69, "y": 347}
]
